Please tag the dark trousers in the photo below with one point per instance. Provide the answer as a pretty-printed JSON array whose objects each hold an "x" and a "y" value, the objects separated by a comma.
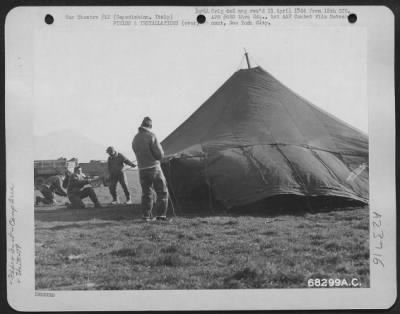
[
  {"x": 48, "y": 195},
  {"x": 114, "y": 179},
  {"x": 76, "y": 197},
  {"x": 153, "y": 180}
]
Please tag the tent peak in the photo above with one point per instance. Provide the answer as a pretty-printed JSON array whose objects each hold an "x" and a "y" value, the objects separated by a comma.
[
  {"x": 247, "y": 58},
  {"x": 254, "y": 69}
]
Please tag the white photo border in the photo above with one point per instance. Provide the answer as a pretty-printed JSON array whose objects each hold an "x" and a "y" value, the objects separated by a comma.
[{"x": 22, "y": 22}]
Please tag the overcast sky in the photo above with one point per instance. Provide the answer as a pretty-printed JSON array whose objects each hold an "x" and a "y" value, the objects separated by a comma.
[{"x": 102, "y": 83}]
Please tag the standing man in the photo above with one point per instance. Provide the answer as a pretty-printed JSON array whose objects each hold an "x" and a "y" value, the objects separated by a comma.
[
  {"x": 116, "y": 163},
  {"x": 49, "y": 188},
  {"x": 148, "y": 153},
  {"x": 77, "y": 191}
]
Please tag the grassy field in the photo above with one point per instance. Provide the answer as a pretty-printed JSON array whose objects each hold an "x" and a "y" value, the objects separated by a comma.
[{"x": 112, "y": 248}]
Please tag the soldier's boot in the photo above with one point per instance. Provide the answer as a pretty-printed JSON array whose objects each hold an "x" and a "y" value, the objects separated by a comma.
[
  {"x": 93, "y": 198},
  {"x": 76, "y": 202}
]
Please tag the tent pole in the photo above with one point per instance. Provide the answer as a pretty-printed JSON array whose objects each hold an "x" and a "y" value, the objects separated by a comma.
[
  {"x": 169, "y": 194},
  {"x": 210, "y": 202},
  {"x": 247, "y": 59}
]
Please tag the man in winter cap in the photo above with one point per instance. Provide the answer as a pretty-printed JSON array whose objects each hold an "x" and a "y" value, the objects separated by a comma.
[{"x": 149, "y": 153}]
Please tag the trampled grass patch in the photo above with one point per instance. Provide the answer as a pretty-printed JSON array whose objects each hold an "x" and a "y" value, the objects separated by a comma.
[{"x": 113, "y": 249}]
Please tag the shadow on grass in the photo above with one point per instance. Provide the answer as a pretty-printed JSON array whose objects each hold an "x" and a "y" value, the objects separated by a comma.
[
  {"x": 279, "y": 205},
  {"x": 77, "y": 226},
  {"x": 272, "y": 207},
  {"x": 121, "y": 212}
]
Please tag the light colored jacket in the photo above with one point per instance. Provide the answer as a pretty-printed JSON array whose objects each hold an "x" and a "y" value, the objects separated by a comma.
[
  {"x": 147, "y": 149},
  {"x": 54, "y": 183}
]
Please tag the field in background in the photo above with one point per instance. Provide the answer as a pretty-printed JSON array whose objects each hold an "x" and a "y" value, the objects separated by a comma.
[
  {"x": 112, "y": 248},
  {"x": 104, "y": 195}
]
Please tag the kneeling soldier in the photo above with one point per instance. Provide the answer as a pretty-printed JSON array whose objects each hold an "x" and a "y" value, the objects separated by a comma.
[
  {"x": 77, "y": 191},
  {"x": 49, "y": 188}
]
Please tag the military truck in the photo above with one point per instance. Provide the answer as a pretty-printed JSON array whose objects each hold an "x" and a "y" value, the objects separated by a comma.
[
  {"x": 47, "y": 168},
  {"x": 96, "y": 168}
]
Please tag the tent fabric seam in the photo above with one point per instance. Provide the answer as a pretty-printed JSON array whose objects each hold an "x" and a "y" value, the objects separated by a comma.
[
  {"x": 331, "y": 172},
  {"x": 254, "y": 163},
  {"x": 289, "y": 163},
  {"x": 314, "y": 193},
  {"x": 341, "y": 153}
]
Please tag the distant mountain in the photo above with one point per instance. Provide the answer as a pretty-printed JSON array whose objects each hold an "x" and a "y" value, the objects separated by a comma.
[{"x": 69, "y": 144}]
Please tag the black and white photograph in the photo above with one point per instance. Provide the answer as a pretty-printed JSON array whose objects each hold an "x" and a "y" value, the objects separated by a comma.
[{"x": 170, "y": 158}]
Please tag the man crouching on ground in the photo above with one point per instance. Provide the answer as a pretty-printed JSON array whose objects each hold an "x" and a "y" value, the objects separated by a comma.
[
  {"x": 77, "y": 191},
  {"x": 148, "y": 153},
  {"x": 49, "y": 188}
]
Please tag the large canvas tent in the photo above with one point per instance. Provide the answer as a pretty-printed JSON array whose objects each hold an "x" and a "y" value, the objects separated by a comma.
[{"x": 254, "y": 138}]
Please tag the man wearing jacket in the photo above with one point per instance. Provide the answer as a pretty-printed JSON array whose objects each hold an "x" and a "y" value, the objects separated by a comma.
[
  {"x": 149, "y": 153},
  {"x": 77, "y": 191},
  {"x": 49, "y": 188},
  {"x": 116, "y": 163}
]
